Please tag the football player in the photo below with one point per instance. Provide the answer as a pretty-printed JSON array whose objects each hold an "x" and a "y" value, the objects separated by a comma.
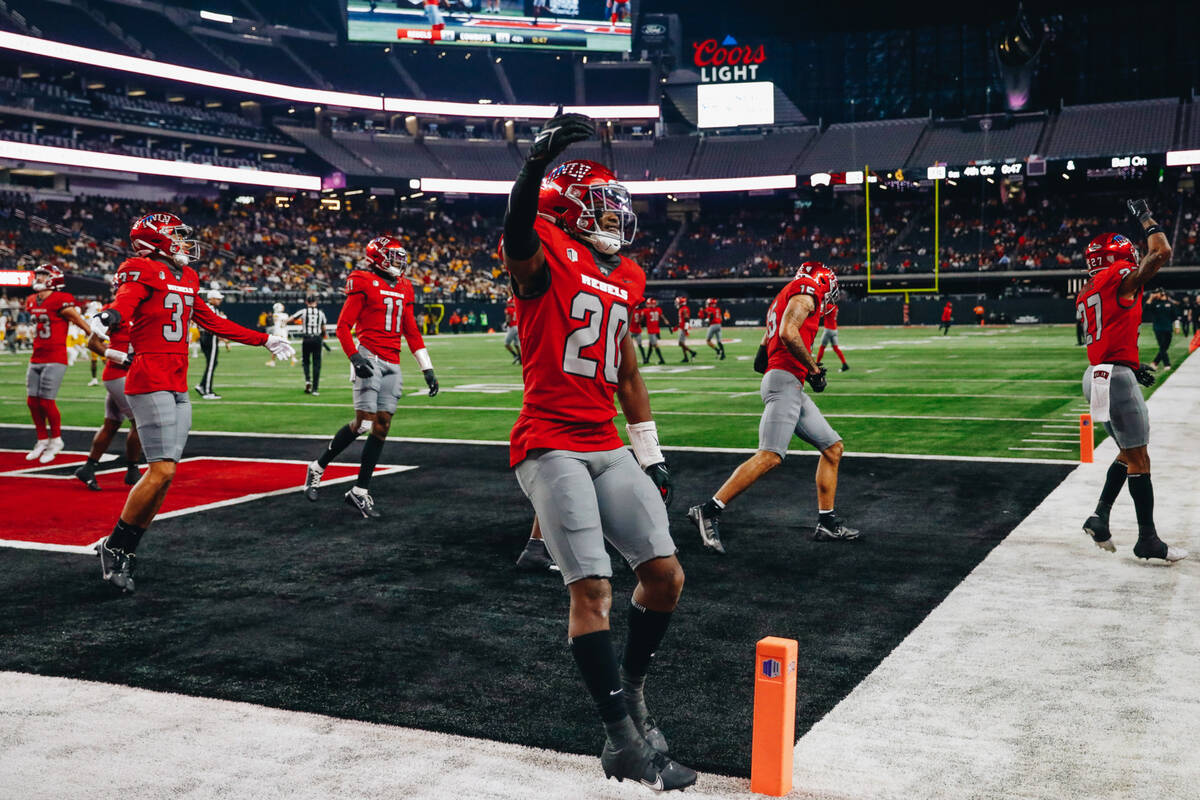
[
  {"x": 830, "y": 337},
  {"x": 511, "y": 343},
  {"x": 158, "y": 296},
  {"x": 279, "y": 326},
  {"x": 785, "y": 361},
  {"x": 379, "y": 310},
  {"x": 116, "y": 354},
  {"x": 711, "y": 313},
  {"x": 635, "y": 328},
  {"x": 684, "y": 314},
  {"x": 653, "y": 317},
  {"x": 89, "y": 311},
  {"x": 561, "y": 247},
  {"x": 947, "y": 318},
  {"x": 1110, "y": 304},
  {"x": 51, "y": 311}
]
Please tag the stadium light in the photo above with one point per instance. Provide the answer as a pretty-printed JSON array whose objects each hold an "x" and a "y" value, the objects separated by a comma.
[
  {"x": 155, "y": 166},
  {"x": 213, "y": 16},
  {"x": 700, "y": 185},
  {"x": 441, "y": 108},
  {"x": 1182, "y": 158}
]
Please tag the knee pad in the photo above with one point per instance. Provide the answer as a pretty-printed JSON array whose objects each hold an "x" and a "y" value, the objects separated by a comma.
[{"x": 363, "y": 427}]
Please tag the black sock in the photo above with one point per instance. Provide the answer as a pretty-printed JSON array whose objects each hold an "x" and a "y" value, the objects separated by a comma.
[
  {"x": 646, "y": 631},
  {"x": 370, "y": 457},
  {"x": 340, "y": 441},
  {"x": 598, "y": 665},
  {"x": 1112, "y": 488},
  {"x": 125, "y": 536},
  {"x": 1142, "y": 492},
  {"x": 711, "y": 509},
  {"x": 826, "y": 518}
]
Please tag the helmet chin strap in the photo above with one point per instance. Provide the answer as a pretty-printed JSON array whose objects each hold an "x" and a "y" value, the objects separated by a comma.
[{"x": 605, "y": 242}]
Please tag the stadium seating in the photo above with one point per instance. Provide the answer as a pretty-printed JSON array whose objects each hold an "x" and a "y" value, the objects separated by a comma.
[
  {"x": 884, "y": 145},
  {"x": 390, "y": 154},
  {"x": 160, "y": 36},
  {"x": 483, "y": 160},
  {"x": 739, "y": 156},
  {"x": 951, "y": 144},
  {"x": 60, "y": 22},
  {"x": 1111, "y": 129}
]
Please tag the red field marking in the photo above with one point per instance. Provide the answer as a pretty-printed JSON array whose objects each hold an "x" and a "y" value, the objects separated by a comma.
[
  {"x": 56, "y": 512},
  {"x": 15, "y": 460}
]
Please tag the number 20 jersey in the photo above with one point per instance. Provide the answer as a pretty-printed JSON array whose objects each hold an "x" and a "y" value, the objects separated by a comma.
[
  {"x": 1110, "y": 325},
  {"x": 571, "y": 338}
]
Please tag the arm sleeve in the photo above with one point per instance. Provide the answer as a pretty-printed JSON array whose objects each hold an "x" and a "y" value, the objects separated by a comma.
[
  {"x": 346, "y": 322},
  {"x": 520, "y": 240},
  {"x": 412, "y": 333},
  {"x": 129, "y": 296},
  {"x": 208, "y": 319}
]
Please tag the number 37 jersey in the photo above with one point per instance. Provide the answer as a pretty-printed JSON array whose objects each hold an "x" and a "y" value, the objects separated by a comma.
[
  {"x": 159, "y": 305},
  {"x": 1110, "y": 324},
  {"x": 571, "y": 337}
]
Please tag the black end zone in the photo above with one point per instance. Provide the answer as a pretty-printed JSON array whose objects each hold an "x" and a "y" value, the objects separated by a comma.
[{"x": 421, "y": 620}]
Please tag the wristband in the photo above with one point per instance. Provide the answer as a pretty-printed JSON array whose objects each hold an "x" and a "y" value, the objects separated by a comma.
[
  {"x": 422, "y": 357},
  {"x": 115, "y": 356},
  {"x": 1153, "y": 229},
  {"x": 643, "y": 438}
]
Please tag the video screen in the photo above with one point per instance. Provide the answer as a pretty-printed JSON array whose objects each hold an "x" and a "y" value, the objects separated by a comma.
[
  {"x": 727, "y": 105},
  {"x": 600, "y": 25}
]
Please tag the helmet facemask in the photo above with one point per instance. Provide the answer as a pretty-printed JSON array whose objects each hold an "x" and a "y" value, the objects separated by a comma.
[
  {"x": 393, "y": 262},
  {"x": 599, "y": 201}
]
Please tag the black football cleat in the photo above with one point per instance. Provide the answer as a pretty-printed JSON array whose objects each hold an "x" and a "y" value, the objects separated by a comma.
[
  {"x": 1156, "y": 548},
  {"x": 312, "y": 480},
  {"x": 635, "y": 704},
  {"x": 642, "y": 763},
  {"x": 1097, "y": 527},
  {"x": 87, "y": 474},
  {"x": 834, "y": 531},
  {"x": 364, "y": 504},
  {"x": 536, "y": 558},
  {"x": 116, "y": 567},
  {"x": 845, "y": 368},
  {"x": 709, "y": 526},
  {"x": 132, "y": 475}
]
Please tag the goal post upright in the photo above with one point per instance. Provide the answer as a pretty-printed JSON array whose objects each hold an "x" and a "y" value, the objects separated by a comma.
[{"x": 937, "y": 214}]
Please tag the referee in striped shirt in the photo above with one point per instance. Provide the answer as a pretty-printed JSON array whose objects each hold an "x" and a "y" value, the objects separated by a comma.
[{"x": 312, "y": 330}]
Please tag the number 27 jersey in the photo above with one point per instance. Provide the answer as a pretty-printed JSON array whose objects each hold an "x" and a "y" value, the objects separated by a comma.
[
  {"x": 571, "y": 337},
  {"x": 1110, "y": 325}
]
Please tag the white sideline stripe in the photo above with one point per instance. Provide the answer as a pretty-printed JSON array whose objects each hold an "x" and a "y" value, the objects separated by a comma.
[
  {"x": 1044, "y": 449},
  {"x": 1050, "y": 441}
]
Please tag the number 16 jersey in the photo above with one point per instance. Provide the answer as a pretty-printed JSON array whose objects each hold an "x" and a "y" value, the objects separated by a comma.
[{"x": 571, "y": 337}]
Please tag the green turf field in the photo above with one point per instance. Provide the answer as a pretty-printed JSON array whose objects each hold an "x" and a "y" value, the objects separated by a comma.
[{"x": 975, "y": 392}]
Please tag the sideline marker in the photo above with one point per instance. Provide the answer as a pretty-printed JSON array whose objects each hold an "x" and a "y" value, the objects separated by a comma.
[
  {"x": 774, "y": 744},
  {"x": 1086, "y": 438}
]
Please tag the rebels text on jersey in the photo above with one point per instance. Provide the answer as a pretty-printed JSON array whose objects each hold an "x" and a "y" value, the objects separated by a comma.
[
  {"x": 379, "y": 314},
  {"x": 1110, "y": 324},
  {"x": 118, "y": 339},
  {"x": 49, "y": 326},
  {"x": 830, "y": 318},
  {"x": 160, "y": 306},
  {"x": 571, "y": 338},
  {"x": 778, "y": 355}
]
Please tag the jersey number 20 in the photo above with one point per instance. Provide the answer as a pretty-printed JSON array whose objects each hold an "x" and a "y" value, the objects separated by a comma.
[{"x": 589, "y": 309}]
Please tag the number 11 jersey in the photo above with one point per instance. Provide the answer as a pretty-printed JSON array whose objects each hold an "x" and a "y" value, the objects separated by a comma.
[{"x": 571, "y": 337}]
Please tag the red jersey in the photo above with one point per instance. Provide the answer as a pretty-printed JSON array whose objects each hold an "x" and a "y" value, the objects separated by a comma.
[
  {"x": 652, "y": 315},
  {"x": 379, "y": 313},
  {"x": 710, "y": 314},
  {"x": 571, "y": 348},
  {"x": 684, "y": 315},
  {"x": 1110, "y": 324},
  {"x": 947, "y": 312},
  {"x": 118, "y": 339},
  {"x": 49, "y": 326},
  {"x": 510, "y": 314},
  {"x": 159, "y": 306},
  {"x": 830, "y": 319},
  {"x": 778, "y": 356},
  {"x": 635, "y": 321}
]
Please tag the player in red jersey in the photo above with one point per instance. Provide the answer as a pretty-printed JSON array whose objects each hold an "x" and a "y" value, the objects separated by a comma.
[
  {"x": 51, "y": 312},
  {"x": 830, "y": 337},
  {"x": 117, "y": 355},
  {"x": 683, "y": 314},
  {"x": 947, "y": 318},
  {"x": 158, "y": 295},
  {"x": 635, "y": 327},
  {"x": 786, "y": 361},
  {"x": 562, "y": 238},
  {"x": 511, "y": 343},
  {"x": 652, "y": 315},
  {"x": 1110, "y": 305},
  {"x": 379, "y": 310},
  {"x": 711, "y": 314}
]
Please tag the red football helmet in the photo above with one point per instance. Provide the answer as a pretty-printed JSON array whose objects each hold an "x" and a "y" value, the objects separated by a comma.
[
  {"x": 1106, "y": 249},
  {"x": 680, "y": 301},
  {"x": 578, "y": 195},
  {"x": 712, "y": 301},
  {"x": 164, "y": 234},
  {"x": 48, "y": 277},
  {"x": 651, "y": 302},
  {"x": 386, "y": 255},
  {"x": 825, "y": 277}
]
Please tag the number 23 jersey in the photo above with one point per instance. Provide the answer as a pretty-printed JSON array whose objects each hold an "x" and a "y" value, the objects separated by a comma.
[
  {"x": 159, "y": 306},
  {"x": 571, "y": 338}
]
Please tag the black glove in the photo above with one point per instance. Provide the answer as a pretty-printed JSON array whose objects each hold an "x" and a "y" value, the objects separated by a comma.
[
  {"x": 817, "y": 380},
  {"x": 662, "y": 481},
  {"x": 431, "y": 382},
  {"x": 325, "y": 344},
  {"x": 110, "y": 318},
  {"x": 760, "y": 360},
  {"x": 558, "y": 133},
  {"x": 362, "y": 367},
  {"x": 1144, "y": 374},
  {"x": 1139, "y": 209}
]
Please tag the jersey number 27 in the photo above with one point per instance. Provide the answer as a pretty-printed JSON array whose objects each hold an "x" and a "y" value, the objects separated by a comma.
[{"x": 1096, "y": 323}]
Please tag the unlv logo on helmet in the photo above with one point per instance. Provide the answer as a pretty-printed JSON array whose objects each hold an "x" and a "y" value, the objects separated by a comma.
[
  {"x": 825, "y": 278},
  {"x": 586, "y": 200},
  {"x": 166, "y": 236},
  {"x": 1106, "y": 249}
]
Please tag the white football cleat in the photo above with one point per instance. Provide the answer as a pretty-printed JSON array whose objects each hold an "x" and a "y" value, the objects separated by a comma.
[
  {"x": 53, "y": 448},
  {"x": 93, "y": 382},
  {"x": 37, "y": 450}
]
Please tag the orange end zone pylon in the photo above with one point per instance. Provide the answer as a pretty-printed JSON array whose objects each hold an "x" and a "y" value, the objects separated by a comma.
[
  {"x": 774, "y": 740},
  {"x": 1087, "y": 438}
]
